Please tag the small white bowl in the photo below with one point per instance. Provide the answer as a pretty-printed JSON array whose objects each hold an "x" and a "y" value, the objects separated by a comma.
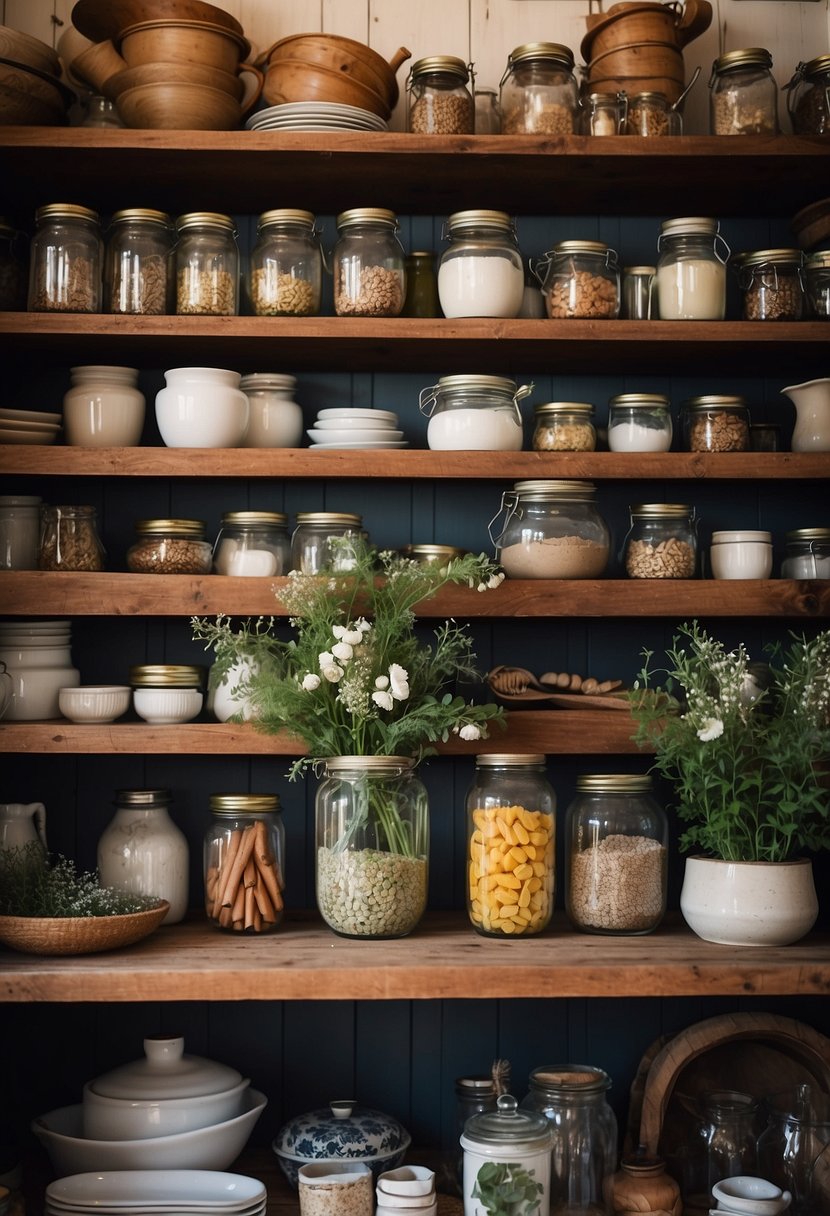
[
  {"x": 167, "y": 706},
  {"x": 739, "y": 555},
  {"x": 750, "y": 1196},
  {"x": 94, "y": 703},
  {"x": 354, "y": 424},
  {"x": 122, "y": 1119},
  {"x": 365, "y": 435},
  {"x": 408, "y": 1180}
]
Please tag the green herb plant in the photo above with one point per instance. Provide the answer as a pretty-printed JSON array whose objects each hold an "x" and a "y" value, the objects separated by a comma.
[
  {"x": 507, "y": 1189},
  {"x": 31, "y": 885}
]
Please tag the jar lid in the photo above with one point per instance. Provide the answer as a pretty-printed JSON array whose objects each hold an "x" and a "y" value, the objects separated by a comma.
[
  {"x": 555, "y": 52},
  {"x": 450, "y": 64},
  {"x": 613, "y": 783},
  {"x": 638, "y": 400},
  {"x": 554, "y": 488},
  {"x": 508, "y": 1125},
  {"x": 171, "y": 527},
  {"x": 460, "y": 221},
  {"x": 205, "y": 219},
  {"x": 241, "y": 804},
  {"x": 329, "y": 517},
  {"x": 605, "y": 99},
  {"x": 367, "y": 215},
  {"x": 344, "y": 1129},
  {"x": 335, "y": 765},
  {"x": 649, "y": 97},
  {"x": 800, "y": 536},
  {"x": 165, "y": 1072},
  {"x": 751, "y": 56},
  {"x": 656, "y": 510},
  {"x": 143, "y": 798},
  {"x": 690, "y": 224},
  {"x": 66, "y": 211},
  {"x": 263, "y": 380},
  {"x": 569, "y": 1079},
  {"x": 759, "y": 537},
  {"x": 500, "y": 384},
  {"x": 420, "y": 255},
  {"x": 285, "y": 215},
  {"x": 483, "y": 1086},
  {"x": 144, "y": 215},
  {"x": 166, "y": 675},
  {"x": 20, "y": 500},
  {"x": 509, "y": 759},
  {"x": 818, "y": 260},
  {"x": 817, "y": 66},
  {"x": 255, "y": 519},
  {"x": 551, "y": 409},
  {"x": 775, "y": 257},
  {"x": 566, "y": 247},
  {"x": 714, "y": 401},
  {"x": 432, "y": 553}
]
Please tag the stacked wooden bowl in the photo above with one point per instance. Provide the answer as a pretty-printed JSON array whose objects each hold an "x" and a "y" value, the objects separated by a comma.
[{"x": 30, "y": 92}]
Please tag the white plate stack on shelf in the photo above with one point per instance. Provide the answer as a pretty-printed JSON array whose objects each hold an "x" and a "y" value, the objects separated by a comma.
[
  {"x": 156, "y": 1193},
  {"x": 316, "y": 116},
  {"x": 352, "y": 427},
  {"x": 407, "y": 1191},
  {"x": 29, "y": 426}
]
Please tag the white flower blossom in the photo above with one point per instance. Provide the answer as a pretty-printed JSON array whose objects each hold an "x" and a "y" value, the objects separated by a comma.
[
  {"x": 712, "y": 728},
  {"x": 362, "y": 624},
  {"x": 338, "y": 631},
  {"x": 325, "y": 659},
  {"x": 311, "y": 682},
  {"x": 342, "y": 651},
  {"x": 383, "y": 699},
  {"x": 495, "y": 580},
  {"x": 398, "y": 681},
  {"x": 382, "y": 682},
  {"x": 352, "y": 636},
  {"x": 470, "y": 732},
  {"x": 332, "y": 673}
]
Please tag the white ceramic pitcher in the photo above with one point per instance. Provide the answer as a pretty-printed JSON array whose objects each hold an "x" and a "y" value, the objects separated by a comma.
[
  {"x": 812, "y": 415},
  {"x": 22, "y": 822}
]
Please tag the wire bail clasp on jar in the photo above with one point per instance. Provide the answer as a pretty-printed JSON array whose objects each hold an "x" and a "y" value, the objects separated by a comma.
[
  {"x": 428, "y": 399},
  {"x": 510, "y": 507}
]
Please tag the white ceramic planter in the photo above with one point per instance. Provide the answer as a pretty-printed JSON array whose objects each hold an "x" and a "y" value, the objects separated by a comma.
[{"x": 752, "y": 903}]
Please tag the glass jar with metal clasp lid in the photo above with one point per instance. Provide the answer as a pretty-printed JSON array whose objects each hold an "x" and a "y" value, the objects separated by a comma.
[
  {"x": 603, "y": 113},
  {"x": 538, "y": 94},
  {"x": 551, "y": 529},
  {"x": 771, "y": 283},
  {"x": 716, "y": 423},
  {"x": 440, "y": 100},
  {"x": 651, "y": 114},
  {"x": 170, "y": 546},
  {"x": 639, "y": 422},
  {"x": 691, "y": 270},
  {"x": 138, "y": 262},
  {"x": 564, "y": 426},
  {"x": 321, "y": 541},
  {"x": 661, "y": 542},
  {"x": 69, "y": 539},
  {"x": 639, "y": 293},
  {"x": 481, "y": 272},
  {"x": 253, "y": 544},
  {"x": 244, "y": 867},
  {"x": 808, "y": 97},
  {"x": 207, "y": 265},
  {"x": 743, "y": 95},
  {"x": 807, "y": 554},
  {"x": 285, "y": 273},
  {"x": 66, "y": 259},
  {"x": 474, "y": 414},
  {"x": 817, "y": 283},
  {"x": 369, "y": 265},
  {"x": 580, "y": 279}
]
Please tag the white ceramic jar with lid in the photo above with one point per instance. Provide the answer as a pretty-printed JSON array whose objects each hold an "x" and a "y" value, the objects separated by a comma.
[
  {"x": 275, "y": 419},
  {"x": 474, "y": 414},
  {"x": 19, "y": 531},
  {"x": 143, "y": 851},
  {"x": 167, "y": 693},
  {"x": 507, "y": 1152},
  {"x": 691, "y": 270},
  {"x": 552, "y": 529},
  {"x": 104, "y": 408},
  {"x": 741, "y": 554},
  {"x": 343, "y": 1131},
  {"x": 253, "y": 544},
  {"x": 481, "y": 273}
]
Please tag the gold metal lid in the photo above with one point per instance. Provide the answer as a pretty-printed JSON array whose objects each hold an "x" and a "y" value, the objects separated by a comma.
[
  {"x": 205, "y": 219},
  {"x": 365, "y": 764},
  {"x": 552, "y": 409},
  {"x": 769, "y": 257},
  {"x": 432, "y": 553},
  {"x": 450, "y": 64},
  {"x": 143, "y": 215},
  {"x": 554, "y": 52},
  {"x": 639, "y": 270},
  {"x": 554, "y": 488},
  {"x": 500, "y": 384},
  {"x": 254, "y": 519},
  {"x": 750, "y": 57},
  {"x": 633, "y": 400},
  {"x": 241, "y": 804},
  {"x": 613, "y": 783},
  {"x": 566, "y": 247},
  {"x": 143, "y": 798},
  {"x": 818, "y": 260},
  {"x": 714, "y": 401},
  {"x": 329, "y": 517},
  {"x": 817, "y": 66},
  {"x": 367, "y": 215},
  {"x": 509, "y": 759},
  {"x": 194, "y": 528},
  {"x": 66, "y": 211},
  {"x": 460, "y": 221},
  {"x": 285, "y": 215},
  {"x": 690, "y": 224},
  {"x": 420, "y": 255},
  {"x": 167, "y": 675},
  {"x": 648, "y": 97},
  {"x": 800, "y": 536},
  {"x": 659, "y": 510}
]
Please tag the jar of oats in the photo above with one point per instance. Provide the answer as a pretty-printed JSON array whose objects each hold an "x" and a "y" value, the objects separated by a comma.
[
  {"x": 538, "y": 94},
  {"x": 138, "y": 263},
  {"x": 170, "y": 546},
  {"x": 661, "y": 542},
  {"x": 715, "y": 423},
  {"x": 808, "y": 97},
  {"x": 286, "y": 270},
  {"x": 564, "y": 426},
  {"x": 771, "y": 284},
  {"x": 743, "y": 95},
  {"x": 207, "y": 265},
  {"x": 368, "y": 264},
  {"x": 440, "y": 97},
  {"x": 580, "y": 279},
  {"x": 66, "y": 257},
  {"x": 69, "y": 539}
]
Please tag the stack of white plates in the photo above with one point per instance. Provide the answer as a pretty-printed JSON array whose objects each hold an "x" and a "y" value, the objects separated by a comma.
[
  {"x": 316, "y": 116},
  {"x": 351, "y": 427},
  {"x": 28, "y": 426},
  {"x": 31, "y": 635},
  {"x": 156, "y": 1193}
]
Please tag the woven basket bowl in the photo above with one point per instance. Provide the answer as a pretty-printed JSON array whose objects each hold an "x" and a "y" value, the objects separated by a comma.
[{"x": 78, "y": 934}]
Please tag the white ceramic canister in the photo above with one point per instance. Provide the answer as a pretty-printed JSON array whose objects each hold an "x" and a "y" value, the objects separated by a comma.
[
  {"x": 507, "y": 1159},
  {"x": 202, "y": 407},
  {"x": 38, "y": 672},
  {"x": 745, "y": 554},
  {"x": 19, "y": 531},
  {"x": 691, "y": 270},
  {"x": 143, "y": 852},
  {"x": 104, "y": 408},
  {"x": 474, "y": 414},
  {"x": 276, "y": 420}
]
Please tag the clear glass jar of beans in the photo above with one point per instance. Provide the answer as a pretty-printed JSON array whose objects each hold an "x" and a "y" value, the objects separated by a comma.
[
  {"x": 808, "y": 97},
  {"x": 440, "y": 97},
  {"x": 743, "y": 95},
  {"x": 771, "y": 283},
  {"x": 138, "y": 263},
  {"x": 368, "y": 264},
  {"x": 716, "y": 423},
  {"x": 511, "y": 810},
  {"x": 580, "y": 279},
  {"x": 662, "y": 541},
  {"x": 615, "y": 855},
  {"x": 69, "y": 539},
  {"x": 170, "y": 546},
  {"x": 244, "y": 867},
  {"x": 66, "y": 259},
  {"x": 651, "y": 113},
  {"x": 286, "y": 267},
  {"x": 207, "y": 265},
  {"x": 538, "y": 94},
  {"x": 564, "y": 426}
]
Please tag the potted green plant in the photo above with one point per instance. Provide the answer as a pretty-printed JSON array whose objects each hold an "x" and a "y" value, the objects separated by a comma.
[{"x": 745, "y": 747}]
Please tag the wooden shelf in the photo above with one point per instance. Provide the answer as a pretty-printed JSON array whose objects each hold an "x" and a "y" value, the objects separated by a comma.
[{"x": 444, "y": 958}]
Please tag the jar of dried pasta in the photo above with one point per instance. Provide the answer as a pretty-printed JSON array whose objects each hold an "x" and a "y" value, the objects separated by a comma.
[
  {"x": 286, "y": 270},
  {"x": 243, "y": 863},
  {"x": 771, "y": 284},
  {"x": 743, "y": 95},
  {"x": 207, "y": 265},
  {"x": 661, "y": 542},
  {"x": 580, "y": 279},
  {"x": 715, "y": 423},
  {"x": 538, "y": 93},
  {"x": 138, "y": 263},
  {"x": 66, "y": 257},
  {"x": 564, "y": 426},
  {"x": 440, "y": 97},
  {"x": 369, "y": 273}
]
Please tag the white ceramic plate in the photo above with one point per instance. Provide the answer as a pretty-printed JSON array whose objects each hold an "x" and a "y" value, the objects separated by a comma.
[
  {"x": 317, "y": 447},
  {"x": 102, "y": 1208},
  {"x": 30, "y": 416},
  {"x": 158, "y": 1188},
  {"x": 12, "y": 424},
  {"x": 373, "y": 435},
  {"x": 40, "y": 437},
  {"x": 352, "y": 424},
  {"x": 356, "y": 411}
]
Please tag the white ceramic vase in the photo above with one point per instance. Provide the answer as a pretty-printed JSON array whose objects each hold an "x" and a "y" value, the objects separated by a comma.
[
  {"x": 812, "y": 415},
  {"x": 749, "y": 903}
]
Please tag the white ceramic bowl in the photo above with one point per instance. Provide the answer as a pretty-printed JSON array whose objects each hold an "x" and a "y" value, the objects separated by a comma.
[
  {"x": 122, "y": 1119},
  {"x": 751, "y": 1196},
  {"x": 385, "y": 417},
  {"x": 94, "y": 703},
  {"x": 356, "y": 424},
  {"x": 354, "y": 437},
  {"x": 739, "y": 555},
  {"x": 202, "y": 407},
  {"x": 207, "y": 1148},
  {"x": 167, "y": 706},
  {"x": 409, "y": 1180}
]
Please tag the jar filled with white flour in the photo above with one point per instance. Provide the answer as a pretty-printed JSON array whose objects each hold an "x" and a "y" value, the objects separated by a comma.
[
  {"x": 474, "y": 414},
  {"x": 639, "y": 422},
  {"x": 551, "y": 529},
  {"x": 691, "y": 270},
  {"x": 253, "y": 544},
  {"x": 481, "y": 273}
]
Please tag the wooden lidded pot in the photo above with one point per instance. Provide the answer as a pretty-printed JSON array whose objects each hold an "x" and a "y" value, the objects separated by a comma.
[{"x": 641, "y": 1187}]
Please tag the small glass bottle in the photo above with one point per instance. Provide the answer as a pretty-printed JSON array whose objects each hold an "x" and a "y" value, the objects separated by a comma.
[
  {"x": 691, "y": 270},
  {"x": 639, "y": 293},
  {"x": 743, "y": 95},
  {"x": 138, "y": 264},
  {"x": 69, "y": 539},
  {"x": 487, "y": 116},
  {"x": 65, "y": 263},
  {"x": 616, "y": 855},
  {"x": 421, "y": 286},
  {"x": 101, "y": 112},
  {"x": 661, "y": 542},
  {"x": 474, "y": 413},
  {"x": 771, "y": 284},
  {"x": 369, "y": 274},
  {"x": 144, "y": 852},
  {"x": 481, "y": 272},
  {"x": 639, "y": 422},
  {"x": 275, "y": 419},
  {"x": 253, "y": 544},
  {"x": 170, "y": 546},
  {"x": 538, "y": 91},
  {"x": 580, "y": 279},
  {"x": 506, "y": 1152},
  {"x": 207, "y": 265},
  {"x": 244, "y": 867},
  {"x": 440, "y": 101},
  {"x": 13, "y": 276},
  {"x": 312, "y": 551},
  {"x": 817, "y": 283},
  {"x": 603, "y": 114},
  {"x": 652, "y": 114},
  {"x": 716, "y": 423},
  {"x": 552, "y": 529},
  {"x": 564, "y": 426},
  {"x": 19, "y": 531},
  {"x": 807, "y": 554},
  {"x": 286, "y": 267},
  {"x": 511, "y": 834},
  {"x": 808, "y": 97}
]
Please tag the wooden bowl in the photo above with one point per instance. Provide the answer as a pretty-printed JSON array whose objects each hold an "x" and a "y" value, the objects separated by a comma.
[
  {"x": 811, "y": 225},
  {"x": 353, "y": 59},
  {"x": 96, "y": 65},
  {"x": 102, "y": 19},
  {"x": 289, "y": 80},
  {"x": 174, "y": 73},
  {"x": 79, "y": 934},
  {"x": 29, "y": 97},
  {"x": 178, "y": 106},
  {"x": 31, "y": 52},
  {"x": 183, "y": 42}
]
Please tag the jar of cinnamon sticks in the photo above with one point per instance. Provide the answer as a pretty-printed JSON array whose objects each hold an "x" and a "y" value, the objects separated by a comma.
[{"x": 243, "y": 859}]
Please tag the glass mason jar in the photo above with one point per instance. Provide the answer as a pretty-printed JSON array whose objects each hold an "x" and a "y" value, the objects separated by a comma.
[
  {"x": 511, "y": 835},
  {"x": 13, "y": 276},
  {"x": 603, "y": 114},
  {"x": 817, "y": 283},
  {"x": 691, "y": 270},
  {"x": 275, "y": 420},
  {"x": 771, "y": 284},
  {"x": 481, "y": 273},
  {"x": 715, "y": 423},
  {"x": 170, "y": 546},
  {"x": 639, "y": 422},
  {"x": 439, "y": 98},
  {"x": 808, "y": 97},
  {"x": 473, "y": 1096},
  {"x": 144, "y": 852},
  {"x": 372, "y": 839},
  {"x": 639, "y": 293},
  {"x": 552, "y": 529},
  {"x": 244, "y": 863},
  {"x": 166, "y": 694},
  {"x": 421, "y": 285},
  {"x": 616, "y": 855},
  {"x": 538, "y": 93},
  {"x": 764, "y": 437},
  {"x": 743, "y": 95},
  {"x": 652, "y": 114},
  {"x": 138, "y": 263},
  {"x": 104, "y": 407},
  {"x": 506, "y": 1161},
  {"x": 580, "y": 279},
  {"x": 253, "y": 544},
  {"x": 474, "y": 414},
  {"x": 564, "y": 426},
  {"x": 661, "y": 542},
  {"x": 487, "y": 113},
  {"x": 101, "y": 112},
  {"x": 724, "y": 1144},
  {"x": 285, "y": 274},
  {"x": 369, "y": 274},
  {"x": 207, "y": 265},
  {"x": 65, "y": 260},
  {"x": 69, "y": 539},
  {"x": 19, "y": 531},
  {"x": 584, "y": 1129},
  {"x": 792, "y": 1149},
  {"x": 320, "y": 542},
  {"x": 807, "y": 553}
]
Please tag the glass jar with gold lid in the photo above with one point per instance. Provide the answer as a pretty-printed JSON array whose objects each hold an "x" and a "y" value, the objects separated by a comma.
[
  {"x": 428, "y": 553},
  {"x": 368, "y": 264},
  {"x": 244, "y": 866},
  {"x": 66, "y": 258},
  {"x": 323, "y": 541},
  {"x": 743, "y": 95},
  {"x": 286, "y": 266},
  {"x": 564, "y": 426},
  {"x": 771, "y": 283},
  {"x": 440, "y": 97},
  {"x": 170, "y": 546},
  {"x": 716, "y": 422},
  {"x": 651, "y": 113},
  {"x": 580, "y": 279},
  {"x": 138, "y": 262},
  {"x": 253, "y": 544},
  {"x": 69, "y": 539},
  {"x": 538, "y": 93},
  {"x": 817, "y": 282},
  {"x": 207, "y": 265},
  {"x": 661, "y": 542},
  {"x": 808, "y": 97}
]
